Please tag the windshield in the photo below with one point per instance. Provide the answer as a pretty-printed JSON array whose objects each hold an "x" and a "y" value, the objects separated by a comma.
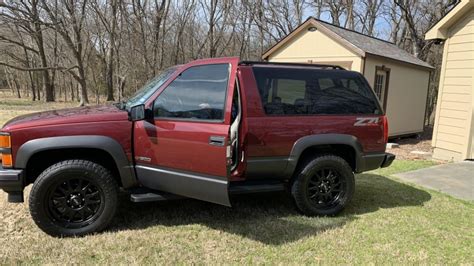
[{"x": 150, "y": 87}]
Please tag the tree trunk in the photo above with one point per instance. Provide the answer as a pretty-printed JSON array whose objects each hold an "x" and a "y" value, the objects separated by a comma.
[
  {"x": 17, "y": 88},
  {"x": 71, "y": 86},
  {"x": 84, "y": 99},
  {"x": 109, "y": 75},
  {"x": 48, "y": 86}
]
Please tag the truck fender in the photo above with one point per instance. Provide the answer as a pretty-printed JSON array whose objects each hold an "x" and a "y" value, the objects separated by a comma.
[
  {"x": 323, "y": 139},
  {"x": 107, "y": 144}
]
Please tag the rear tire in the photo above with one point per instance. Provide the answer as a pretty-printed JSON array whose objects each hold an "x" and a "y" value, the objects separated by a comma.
[
  {"x": 323, "y": 186},
  {"x": 73, "y": 198}
]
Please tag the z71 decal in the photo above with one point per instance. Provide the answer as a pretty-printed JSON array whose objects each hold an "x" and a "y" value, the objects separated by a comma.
[{"x": 366, "y": 121}]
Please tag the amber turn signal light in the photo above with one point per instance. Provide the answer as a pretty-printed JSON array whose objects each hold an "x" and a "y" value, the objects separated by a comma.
[
  {"x": 5, "y": 141},
  {"x": 7, "y": 160}
]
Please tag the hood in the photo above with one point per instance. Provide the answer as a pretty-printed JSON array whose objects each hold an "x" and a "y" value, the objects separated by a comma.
[{"x": 86, "y": 114}]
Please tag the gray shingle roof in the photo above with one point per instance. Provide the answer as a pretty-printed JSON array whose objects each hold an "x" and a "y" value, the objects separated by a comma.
[{"x": 374, "y": 46}]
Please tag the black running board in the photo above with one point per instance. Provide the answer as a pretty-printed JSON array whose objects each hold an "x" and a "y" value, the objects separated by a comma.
[{"x": 153, "y": 196}]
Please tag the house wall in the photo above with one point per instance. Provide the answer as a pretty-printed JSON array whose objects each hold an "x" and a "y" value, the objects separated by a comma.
[
  {"x": 472, "y": 136},
  {"x": 316, "y": 47},
  {"x": 407, "y": 93},
  {"x": 453, "y": 136}
]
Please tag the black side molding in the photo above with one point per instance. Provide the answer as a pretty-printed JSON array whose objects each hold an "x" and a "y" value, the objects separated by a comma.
[
  {"x": 266, "y": 167},
  {"x": 256, "y": 187}
]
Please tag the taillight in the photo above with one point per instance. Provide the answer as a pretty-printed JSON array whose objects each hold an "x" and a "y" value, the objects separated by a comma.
[
  {"x": 385, "y": 128},
  {"x": 5, "y": 150}
]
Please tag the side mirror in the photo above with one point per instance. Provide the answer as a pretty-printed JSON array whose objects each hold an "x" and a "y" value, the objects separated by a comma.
[{"x": 139, "y": 112}]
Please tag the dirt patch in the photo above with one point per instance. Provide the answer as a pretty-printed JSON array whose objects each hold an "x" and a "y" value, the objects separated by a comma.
[{"x": 416, "y": 147}]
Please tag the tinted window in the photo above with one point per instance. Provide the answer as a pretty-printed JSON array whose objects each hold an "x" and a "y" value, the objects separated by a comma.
[
  {"x": 297, "y": 91},
  {"x": 198, "y": 93}
]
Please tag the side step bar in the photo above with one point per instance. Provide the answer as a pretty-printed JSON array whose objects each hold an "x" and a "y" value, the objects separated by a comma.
[{"x": 153, "y": 196}]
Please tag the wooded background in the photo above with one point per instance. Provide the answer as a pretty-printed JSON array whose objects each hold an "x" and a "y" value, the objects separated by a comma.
[{"x": 70, "y": 49}]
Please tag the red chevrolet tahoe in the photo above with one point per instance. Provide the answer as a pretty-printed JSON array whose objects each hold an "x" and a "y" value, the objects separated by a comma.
[{"x": 206, "y": 130}]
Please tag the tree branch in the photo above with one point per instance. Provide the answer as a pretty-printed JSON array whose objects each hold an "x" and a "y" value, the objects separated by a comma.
[
  {"x": 36, "y": 68},
  {"x": 5, "y": 39}
]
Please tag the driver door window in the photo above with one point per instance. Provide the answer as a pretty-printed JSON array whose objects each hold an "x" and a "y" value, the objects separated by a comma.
[{"x": 198, "y": 93}]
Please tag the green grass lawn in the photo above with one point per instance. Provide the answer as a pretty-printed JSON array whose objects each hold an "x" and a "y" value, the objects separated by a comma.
[{"x": 387, "y": 222}]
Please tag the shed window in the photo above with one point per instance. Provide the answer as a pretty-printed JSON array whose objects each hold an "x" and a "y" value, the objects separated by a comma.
[{"x": 381, "y": 84}]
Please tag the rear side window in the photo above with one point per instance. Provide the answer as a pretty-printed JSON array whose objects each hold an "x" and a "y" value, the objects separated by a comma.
[
  {"x": 197, "y": 93},
  {"x": 296, "y": 91}
]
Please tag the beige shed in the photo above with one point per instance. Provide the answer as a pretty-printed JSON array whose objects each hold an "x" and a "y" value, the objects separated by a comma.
[
  {"x": 399, "y": 79},
  {"x": 453, "y": 135}
]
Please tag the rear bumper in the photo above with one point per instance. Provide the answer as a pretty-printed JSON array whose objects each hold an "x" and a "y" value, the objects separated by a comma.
[
  {"x": 374, "y": 161},
  {"x": 11, "y": 181},
  {"x": 388, "y": 160}
]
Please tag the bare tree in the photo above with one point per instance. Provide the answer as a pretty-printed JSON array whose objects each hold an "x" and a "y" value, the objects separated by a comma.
[
  {"x": 350, "y": 14},
  {"x": 370, "y": 11},
  {"x": 216, "y": 14},
  {"x": 69, "y": 23},
  {"x": 107, "y": 15},
  {"x": 395, "y": 20},
  {"x": 418, "y": 16},
  {"x": 26, "y": 18},
  {"x": 336, "y": 10},
  {"x": 319, "y": 6}
]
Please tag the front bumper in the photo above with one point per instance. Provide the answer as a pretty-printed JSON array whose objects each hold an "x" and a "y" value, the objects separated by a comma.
[
  {"x": 373, "y": 161},
  {"x": 12, "y": 182}
]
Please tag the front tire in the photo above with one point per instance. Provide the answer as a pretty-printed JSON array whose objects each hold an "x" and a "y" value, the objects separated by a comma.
[
  {"x": 73, "y": 198},
  {"x": 323, "y": 186}
]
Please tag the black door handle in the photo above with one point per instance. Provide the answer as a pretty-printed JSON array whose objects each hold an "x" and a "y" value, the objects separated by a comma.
[{"x": 216, "y": 140}]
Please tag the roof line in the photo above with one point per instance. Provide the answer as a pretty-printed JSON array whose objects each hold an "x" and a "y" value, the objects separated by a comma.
[
  {"x": 356, "y": 50},
  {"x": 402, "y": 61},
  {"x": 342, "y": 28},
  {"x": 338, "y": 38},
  {"x": 284, "y": 38}
]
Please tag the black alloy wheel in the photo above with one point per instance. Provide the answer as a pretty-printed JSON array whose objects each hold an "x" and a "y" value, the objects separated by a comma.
[
  {"x": 75, "y": 202},
  {"x": 73, "y": 198},
  {"x": 323, "y": 185},
  {"x": 326, "y": 187}
]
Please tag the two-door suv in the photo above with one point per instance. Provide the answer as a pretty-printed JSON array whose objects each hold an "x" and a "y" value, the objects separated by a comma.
[{"x": 204, "y": 130}]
